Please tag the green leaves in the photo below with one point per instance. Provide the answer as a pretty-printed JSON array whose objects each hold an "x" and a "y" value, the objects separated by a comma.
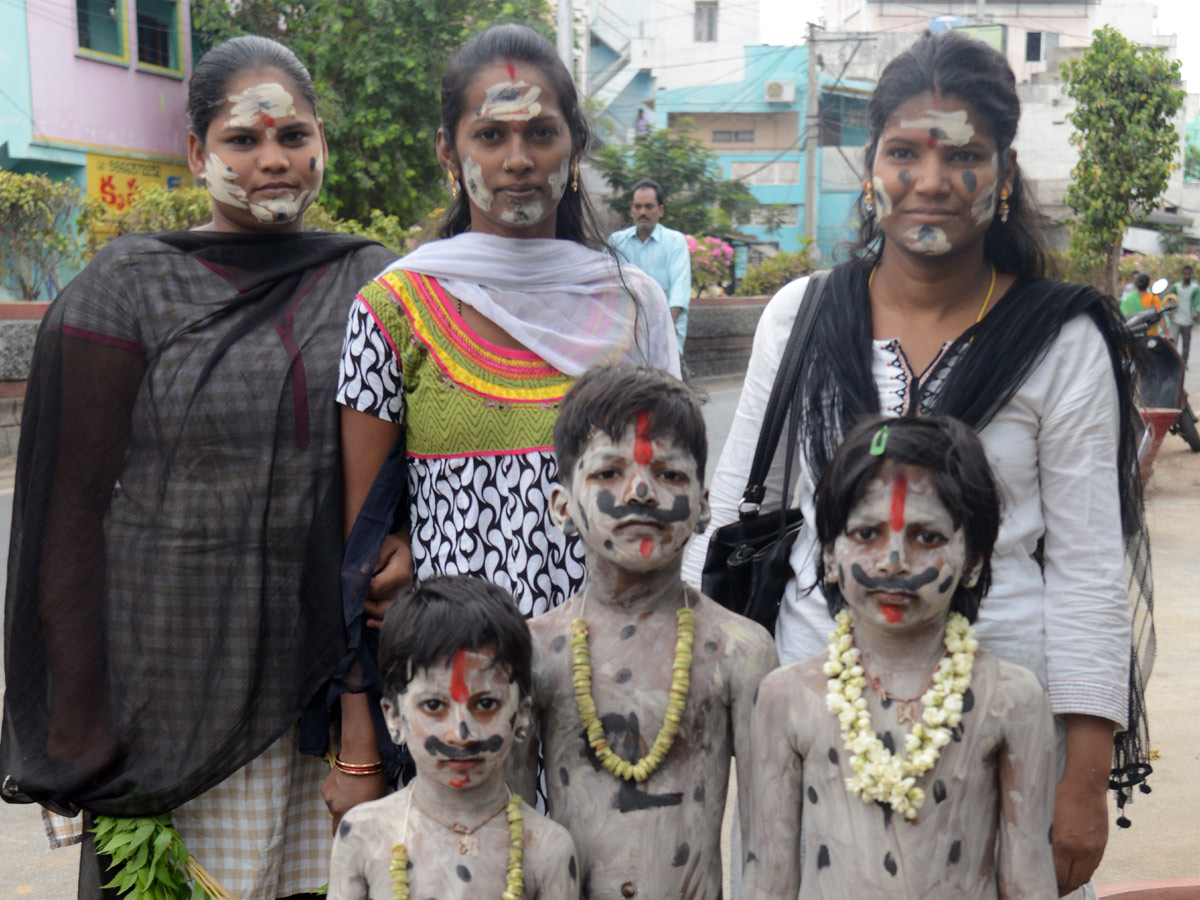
[
  {"x": 1126, "y": 102},
  {"x": 148, "y": 858}
]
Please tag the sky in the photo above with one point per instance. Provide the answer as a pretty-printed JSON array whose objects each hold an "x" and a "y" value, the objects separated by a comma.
[{"x": 783, "y": 22}]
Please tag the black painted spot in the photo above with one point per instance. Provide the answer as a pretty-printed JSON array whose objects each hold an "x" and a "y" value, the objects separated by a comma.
[
  {"x": 886, "y": 702},
  {"x": 904, "y": 176},
  {"x": 754, "y": 699},
  {"x": 886, "y": 808},
  {"x": 571, "y": 870},
  {"x": 823, "y": 857},
  {"x": 344, "y": 829},
  {"x": 968, "y": 700},
  {"x": 682, "y": 852},
  {"x": 312, "y": 164},
  {"x": 812, "y": 794},
  {"x": 558, "y": 643},
  {"x": 939, "y": 791},
  {"x": 698, "y": 794},
  {"x": 841, "y": 574},
  {"x": 946, "y": 585},
  {"x": 889, "y": 863},
  {"x": 970, "y": 182},
  {"x": 955, "y": 853},
  {"x": 833, "y": 755},
  {"x": 956, "y": 734},
  {"x": 608, "y": 545},
  {"x": 585, "y": 886},
  {"x": 937, "y": 133},
  {"x": 750, "y": 857},
  {"x": 463, "y": 872},
  {"x": 627, "y": 632},
  {"x": 623, "y": 676},
  {"x": 564, "y": 776},
  {"x": 463, "y": 731},
  {"x": 888, "y": 741},
  {"x": 711, "y": 646}
]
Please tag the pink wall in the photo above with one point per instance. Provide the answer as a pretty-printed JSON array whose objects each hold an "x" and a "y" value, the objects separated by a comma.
[{"x": 86, "y": 101}]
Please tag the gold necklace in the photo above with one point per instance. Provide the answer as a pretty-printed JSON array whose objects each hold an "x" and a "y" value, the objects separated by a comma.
[
  {"x": 468, "y": 844},
  {"x": 581, "y": 665},
  {"x": 982, "y": 309},
  {"x": 514, "y": 882}
]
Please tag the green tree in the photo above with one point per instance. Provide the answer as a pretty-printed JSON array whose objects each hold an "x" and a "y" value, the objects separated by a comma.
[
  {"x": 377, "y": 67},
  {"x": 1191, "y": 162},
  {"x": 698, "y": 200},
  {"x": 1126, "y": 100}
]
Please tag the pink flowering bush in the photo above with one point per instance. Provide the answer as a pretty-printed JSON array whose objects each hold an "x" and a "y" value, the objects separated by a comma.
[{"x": 712, "y": 262}]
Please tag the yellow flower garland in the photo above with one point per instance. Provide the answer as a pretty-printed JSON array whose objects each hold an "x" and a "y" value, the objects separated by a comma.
[
  {"x": 514, "y": 888},
  {"x": 680, "y": 680}
]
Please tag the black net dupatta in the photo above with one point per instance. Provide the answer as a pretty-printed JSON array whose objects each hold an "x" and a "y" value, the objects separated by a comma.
[
  {"x": 173, "y": 582},
  {"x": 984, "y": 368}
]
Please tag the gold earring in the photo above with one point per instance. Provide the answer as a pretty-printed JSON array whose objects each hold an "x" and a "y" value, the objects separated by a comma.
[
  {"x": 575, "y": 179},
  {"x": 868, "y": 198},
  {"x": 453, "y": 184},
  {"x": 1003, "y": 205}
]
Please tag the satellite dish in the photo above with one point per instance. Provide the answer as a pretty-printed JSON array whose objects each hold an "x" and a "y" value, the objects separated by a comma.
[{"x": 1159, "y": 286}]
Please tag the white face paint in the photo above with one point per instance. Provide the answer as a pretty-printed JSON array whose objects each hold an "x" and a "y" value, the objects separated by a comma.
[
  {"x": 281, "y": 209},
  {"x": 901, "y": 557},
  {"x": 927, "y": 239},
  {"x": 511, "y": 101},
  {"x": 883, "y": 200},
  {"x": 222, "y": 185},
  {"x": 558, "y": 181},
  {"x": 458, "y": 720},
  {"x": 946, "y": 127},
  {"x": 472, "y": 177},
  {"x": 261, "y": 105},
  {"x": 635, "y": 501}
]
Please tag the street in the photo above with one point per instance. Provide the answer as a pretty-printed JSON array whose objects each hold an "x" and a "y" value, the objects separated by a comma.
[{"x": 1162, "y": 841}]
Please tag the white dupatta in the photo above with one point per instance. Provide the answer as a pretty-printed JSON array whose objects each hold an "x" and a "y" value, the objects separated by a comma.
[{"x": 572, "y": 306}]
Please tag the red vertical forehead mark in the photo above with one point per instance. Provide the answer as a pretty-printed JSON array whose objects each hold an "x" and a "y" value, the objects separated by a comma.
[
  {"x": 458, "y": 683},
  {"x": 643, "y": 450},
  {"x": 267, "y": 120},
  {"x": 899, "y": 493},
  {"x": 512, "y": 72}
]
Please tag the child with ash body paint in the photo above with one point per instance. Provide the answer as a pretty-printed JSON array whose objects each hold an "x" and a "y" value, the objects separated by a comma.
[
  {"x": 456, "y": 661},
  {"x": 920, "y": 766},
  {"x": 638, "y": 654}
]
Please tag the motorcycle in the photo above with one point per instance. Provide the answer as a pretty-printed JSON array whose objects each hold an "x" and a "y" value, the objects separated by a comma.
[{"x": 1159, "y": 370}]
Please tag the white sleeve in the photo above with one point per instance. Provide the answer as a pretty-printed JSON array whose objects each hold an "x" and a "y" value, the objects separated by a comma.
[
  {"x": 728, "y": 481},
  {"x": 1086, "y": 610}
]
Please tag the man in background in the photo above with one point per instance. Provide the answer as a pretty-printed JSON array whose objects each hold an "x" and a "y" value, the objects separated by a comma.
[
  {"x": 1186, "y": 313},
  {"x": 661, "y": 253}
]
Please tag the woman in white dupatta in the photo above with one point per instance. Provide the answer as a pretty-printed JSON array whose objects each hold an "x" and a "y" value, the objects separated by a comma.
[{"x": 463, "y": 348}]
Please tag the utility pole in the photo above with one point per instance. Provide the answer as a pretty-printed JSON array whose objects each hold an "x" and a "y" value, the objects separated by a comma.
[
  {"x": 566, "y": 35},
  {"x": 811, "y": 137}
]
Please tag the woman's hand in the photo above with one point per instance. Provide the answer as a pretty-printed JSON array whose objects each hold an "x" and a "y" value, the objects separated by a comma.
[
  {"x": 359, "y": 747},
  {"x": 393, "y": 573},
  {"x": 342, "y": 792},
  {"x": 1080, "y": 802}
]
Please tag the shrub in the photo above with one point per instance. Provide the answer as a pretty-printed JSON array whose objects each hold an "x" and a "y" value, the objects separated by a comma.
[
  {"x": 774, "y": 272},
  {"x": 712, "y": 259}
]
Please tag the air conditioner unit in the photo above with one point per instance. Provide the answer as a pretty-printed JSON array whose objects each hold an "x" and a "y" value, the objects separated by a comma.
[{"x": 778, "y": 90}]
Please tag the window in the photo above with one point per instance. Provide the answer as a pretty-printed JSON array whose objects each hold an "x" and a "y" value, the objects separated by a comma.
[
  {"x": 1033, "y": 46},
  {"x": 774, "y": 216},
  {"x": 100, "y": 27},
  {"x": 706, "y": 21},
  {"x": 843, "y": 121},
  {"x": 158, "y": 34},
  {"x": 754, "y": 172},
  {"x": 733, "y": 137}
]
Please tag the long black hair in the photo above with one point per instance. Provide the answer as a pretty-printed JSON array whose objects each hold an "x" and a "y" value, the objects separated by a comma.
[
  {"x": 950, "y": 63},
  {"x": 576, "y": 218},
  {"x": 208, "y": 89}
]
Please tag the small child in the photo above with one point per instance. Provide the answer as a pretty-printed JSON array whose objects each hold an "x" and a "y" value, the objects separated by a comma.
[
  {"x": 456, "y": 661},
  {"x": 642, "y": 686},
  {"x": 920, "y": 766}
]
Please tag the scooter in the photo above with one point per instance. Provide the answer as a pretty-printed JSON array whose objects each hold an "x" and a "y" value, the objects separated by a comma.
[{"x": 1159, "y": 370}]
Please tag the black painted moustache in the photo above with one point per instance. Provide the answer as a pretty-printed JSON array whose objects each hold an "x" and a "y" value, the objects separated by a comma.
[
  {"x": 678, "y": 512},
  {"x": 434, "y": 747},
  {"x": 894, "y": 584}
]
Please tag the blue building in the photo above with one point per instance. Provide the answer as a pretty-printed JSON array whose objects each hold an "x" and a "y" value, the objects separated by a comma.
[{"x": 757, "y": 129}]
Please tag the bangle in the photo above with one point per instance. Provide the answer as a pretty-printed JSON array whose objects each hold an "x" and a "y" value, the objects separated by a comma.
[{"x": 374, "y": 768}]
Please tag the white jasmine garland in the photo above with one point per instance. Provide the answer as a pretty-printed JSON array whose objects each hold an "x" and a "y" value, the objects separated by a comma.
[{"x": 879, "y": 775}]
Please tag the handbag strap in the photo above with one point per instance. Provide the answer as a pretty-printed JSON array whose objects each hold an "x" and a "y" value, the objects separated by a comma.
[{"x": 782, "y": 392}]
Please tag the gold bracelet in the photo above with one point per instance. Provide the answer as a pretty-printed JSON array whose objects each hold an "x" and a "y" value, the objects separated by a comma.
[{"x": 374, "y": 768}]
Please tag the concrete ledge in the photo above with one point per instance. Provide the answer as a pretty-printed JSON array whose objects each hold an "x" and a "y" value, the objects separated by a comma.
[
  {"x": 1165, "y": 889},
  {"x": 720, "y": 334}
]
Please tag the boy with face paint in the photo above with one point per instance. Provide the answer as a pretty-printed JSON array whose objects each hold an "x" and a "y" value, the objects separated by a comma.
[
  {"x": 455, "y": 657},
  {"x": 919, "y": 765},
  {"x": 637, "y": 654}
]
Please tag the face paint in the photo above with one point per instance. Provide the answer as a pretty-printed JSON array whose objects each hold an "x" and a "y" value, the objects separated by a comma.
[
  {"x": 472, "y": 176},
  {"x": 901, "y": 557},
  {"x": 458, "y": 719},
  {"x": 904, "y": 177},
  {"x": 281, "y": 209},
  {"x": 928, "y": 239},
  {"x": 947, "y": 127},
  {"x": 511, "y": 101},
  {"x": 558, "y": 180},
  {"x": 221, "y": 182},
  {"x": 970, "y": 181},
  {"x": 261, "y": 104},
  {"x": 883, "y": 200},
  {"x": 524, "y": 213},
  {"x": 636, "y": 501}
]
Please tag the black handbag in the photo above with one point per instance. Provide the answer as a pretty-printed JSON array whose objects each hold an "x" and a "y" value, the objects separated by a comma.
[{"x": 747, "y": 565}]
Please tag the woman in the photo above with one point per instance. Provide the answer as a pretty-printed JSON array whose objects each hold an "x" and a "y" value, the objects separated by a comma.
[
  {"x": 466, "y": 346},
  {"x": 177, "y": 530},
  {"x": 943, "y": 309}
]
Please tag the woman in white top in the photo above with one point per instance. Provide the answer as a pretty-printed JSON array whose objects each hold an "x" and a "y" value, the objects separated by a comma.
[{"x": 943, "y": 309}]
